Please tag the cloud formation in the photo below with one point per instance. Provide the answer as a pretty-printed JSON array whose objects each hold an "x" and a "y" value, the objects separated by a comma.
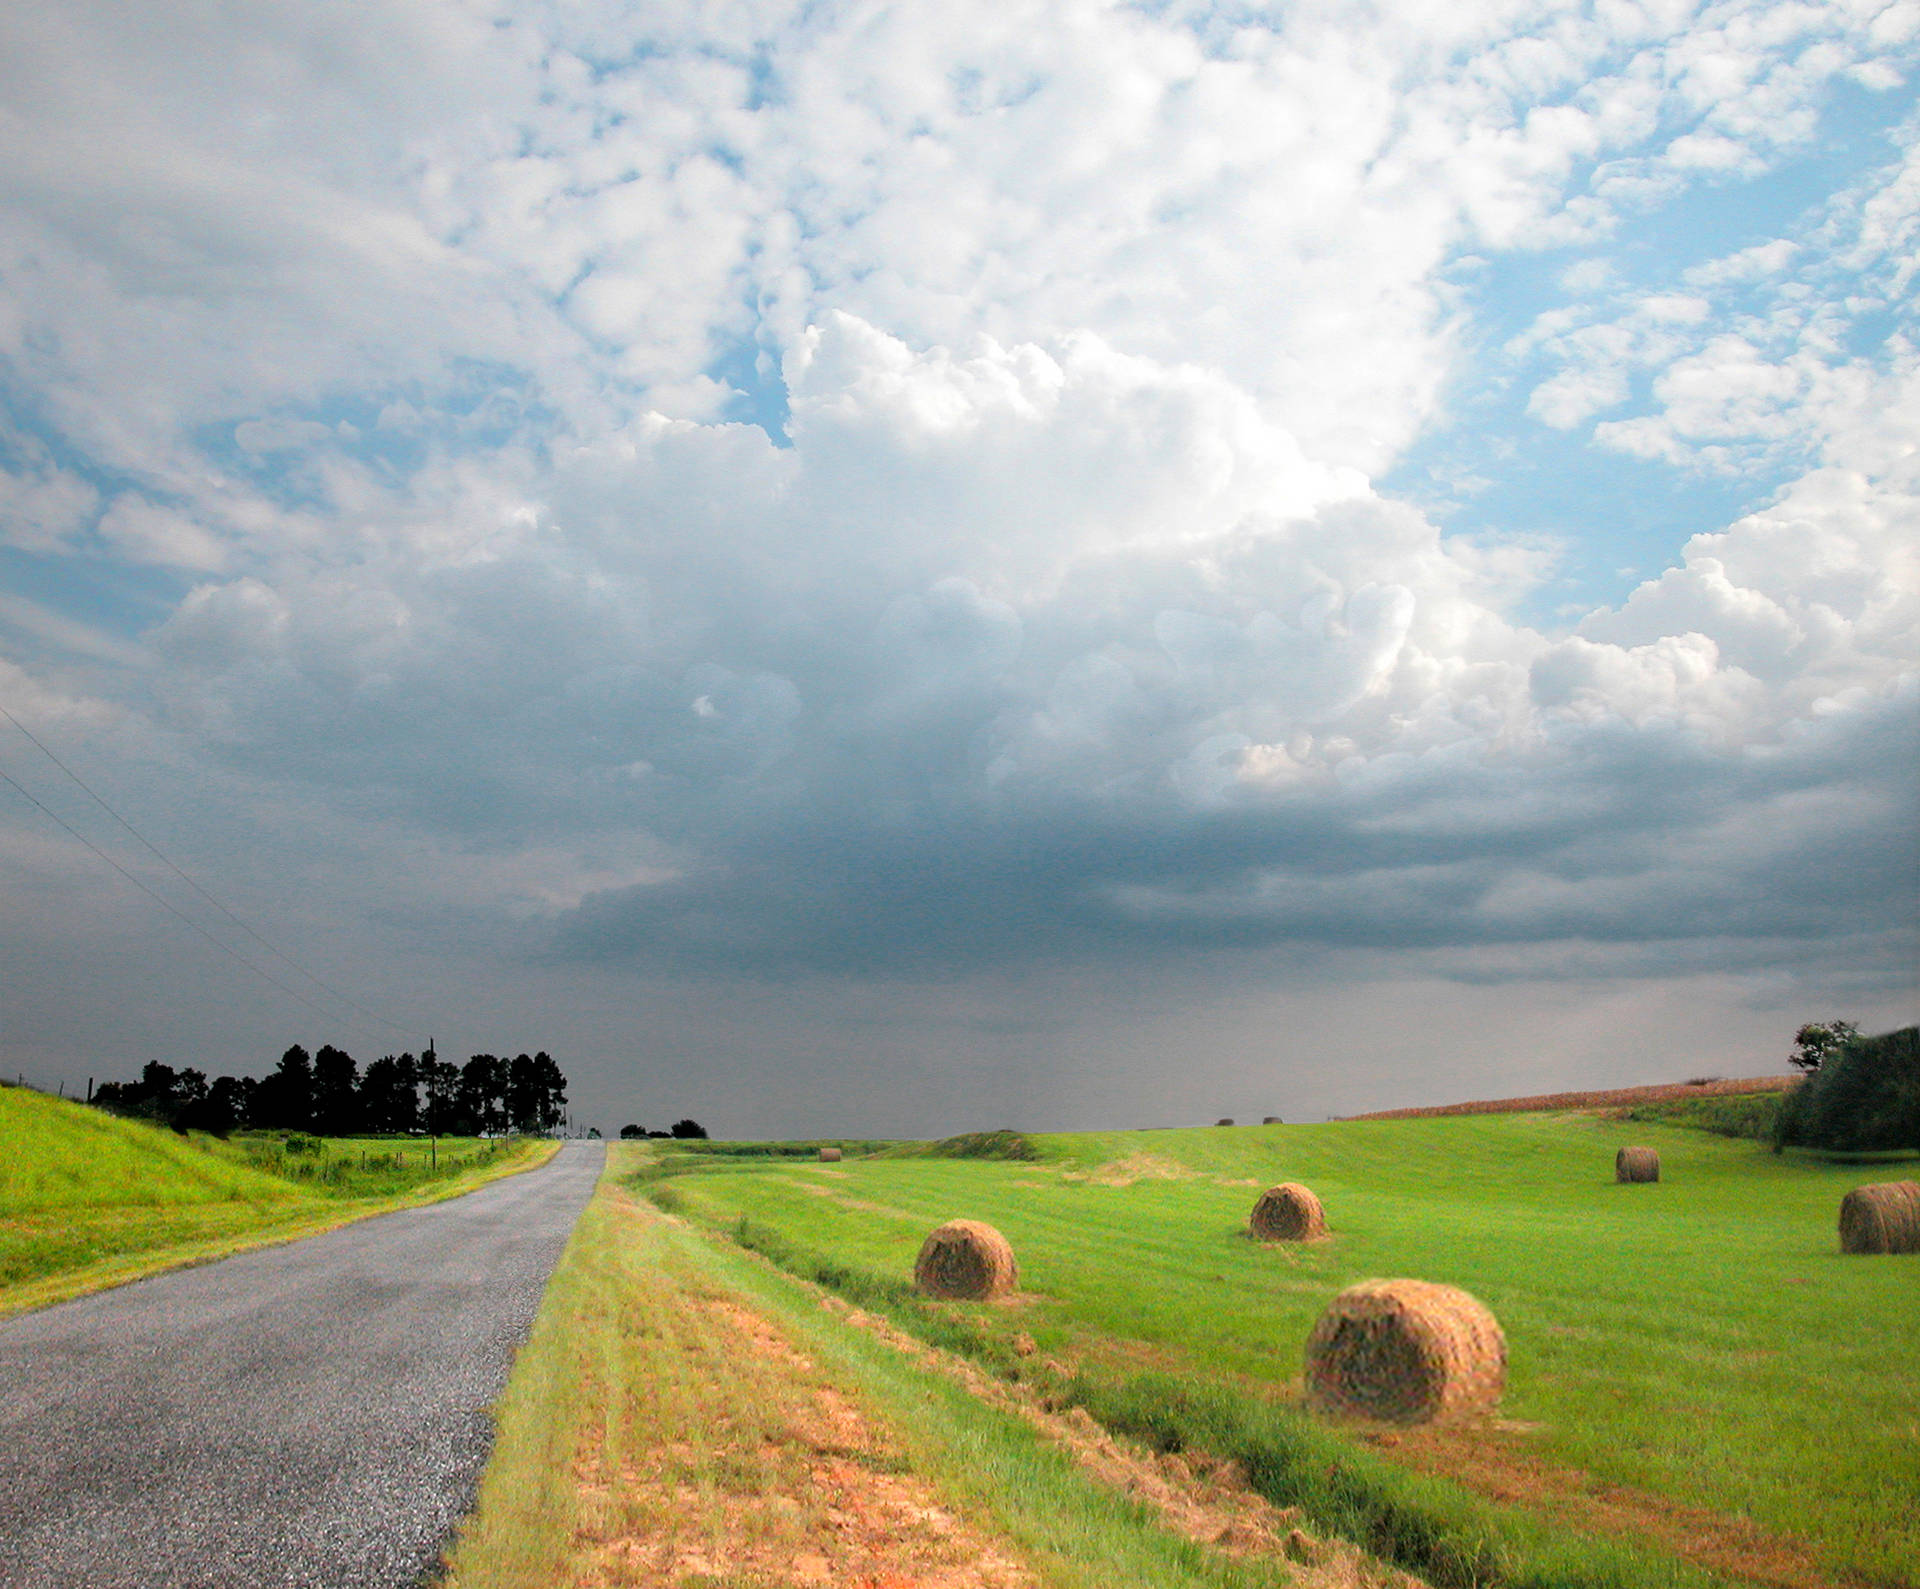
[{"x": 869, "y": 493}]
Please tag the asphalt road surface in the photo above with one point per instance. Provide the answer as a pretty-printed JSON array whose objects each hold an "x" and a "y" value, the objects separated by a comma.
[{"x": 313, "y": 1414}]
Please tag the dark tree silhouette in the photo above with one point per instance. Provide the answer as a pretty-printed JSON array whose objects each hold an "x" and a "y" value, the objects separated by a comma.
[
  {"x": 1818, "y": 1041},
  {"x": 536, "y": 1093},
  {"x": 390, "y": 1094},
  {"x": 687, "y": 1129},
  {"x": 336, "y": 1093},
  {"x": 482, "y": 1099},
  {"x": 439, "y": 1094},
  {"x": 325, "y": 1094},
  {"x": 284, "y": 1100}
]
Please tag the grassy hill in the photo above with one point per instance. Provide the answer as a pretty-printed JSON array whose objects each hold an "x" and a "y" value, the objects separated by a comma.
[
  {"x": 65, "y": 1156},
  {"x": 90, "y": 1200},
  {"x": 1694, "y": 1365}
]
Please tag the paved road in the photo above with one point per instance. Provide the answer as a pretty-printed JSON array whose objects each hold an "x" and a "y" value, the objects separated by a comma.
[{"x": 313, "y": 1414}]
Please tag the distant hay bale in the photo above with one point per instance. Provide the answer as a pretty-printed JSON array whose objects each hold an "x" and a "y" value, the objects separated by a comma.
[
  {"x": 1271, "y": 1120},
  {"x": 1405, "y": 1351},
  {"x": 967, "y": 1261},
  {"x": 1636, "y": 1164},
  {"x": 1224, "y": 1122},
  {"x": 1883, "y": 1217},
  {"x": 1288, "y": 1212},
  {"x": 829, "y": 1155}
]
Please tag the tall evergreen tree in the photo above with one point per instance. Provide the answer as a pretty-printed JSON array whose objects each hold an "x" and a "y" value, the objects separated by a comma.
[
  {"x": 389, "y": 1094},
  {"x": 483, "y": 1095},
  {"x": 440, "y": 1094},
  {"x": 283, "y": 1100},
  {"x": 336, "y": 1101}
]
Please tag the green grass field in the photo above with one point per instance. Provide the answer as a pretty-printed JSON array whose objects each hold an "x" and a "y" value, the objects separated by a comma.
[
  {"x": 638, "y": 1428},
  {"x": 1689, "y": 1360},
  {"x": 90, "y": 1200}
]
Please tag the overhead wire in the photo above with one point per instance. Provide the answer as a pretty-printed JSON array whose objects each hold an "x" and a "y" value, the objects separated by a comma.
[
  {"x": 184, "y": 877},
  {"x": 159, "y": 898}
]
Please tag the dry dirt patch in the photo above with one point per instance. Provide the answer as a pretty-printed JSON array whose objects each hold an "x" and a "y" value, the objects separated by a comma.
[
  {"x": 762, "y": 1472},
  {"x": 1206, "y": 1499},
  {"x": 1611, "y": 1098}
]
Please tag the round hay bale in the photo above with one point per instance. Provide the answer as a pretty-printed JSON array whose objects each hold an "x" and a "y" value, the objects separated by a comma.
[
  {"x": 1405, "y": 1351},
  {"x": 829, "y": 1155},
  {"x": 1225, "y": 1120},
  {"x": 1883, "y": 1217},
  {"x": 967, "y": 1261},
  {"x": 1288, "y": 1212},
  {"x": 1272, "y": 1120},
  {"x": 1636, "y": 1164}
]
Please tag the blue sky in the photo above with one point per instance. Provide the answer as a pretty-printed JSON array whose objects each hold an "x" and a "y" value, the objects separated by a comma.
[{"x": 850, "y": 564}]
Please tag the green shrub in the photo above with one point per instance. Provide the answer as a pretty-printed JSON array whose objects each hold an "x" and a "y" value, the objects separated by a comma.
[
  {"x": 1014, "y": 1145},
  {"x": 1754, "y": 1115},
  {"x": 1864, "y": 1099}
]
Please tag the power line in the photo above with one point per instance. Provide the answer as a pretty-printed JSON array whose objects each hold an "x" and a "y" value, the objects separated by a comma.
[
  {"x": 166, "y": 861},
  {"x": 224, "y": 948}
]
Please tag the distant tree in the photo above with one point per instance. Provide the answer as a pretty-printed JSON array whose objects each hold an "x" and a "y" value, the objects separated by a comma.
[
  {"x": 1818, "y": 1041},
  {"x": 686, "y": 1129},
  {"x": 168, "y": 1097},
  {"x": 226, "y": 1105},
  {"x": 185, "y": 1105},
  {"x": 117, "y": 1097},
  {"x": 390, "y": 1094},
  {"x": 157, "y": 1082},
  {"x": 1865, "y": 1097},
  {"x": 284, "y": 1100},
  {"x": 632, "y": 1133},
  {"x": 523, "y": 1095},
  {"x": 440, "y": 1094},
  {"x": 482, "y": 1105},
  {"x": 550, "y": 1093},
  {"x": 593, "y": 1131},
  {"x": 336, "y": 1093}
]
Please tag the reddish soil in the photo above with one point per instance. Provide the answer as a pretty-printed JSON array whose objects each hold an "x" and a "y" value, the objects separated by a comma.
[{"x": 1616, "y": 1098}]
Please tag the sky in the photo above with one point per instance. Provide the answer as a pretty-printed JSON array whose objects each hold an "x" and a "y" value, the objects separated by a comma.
[{"x": 860, "y": 569}]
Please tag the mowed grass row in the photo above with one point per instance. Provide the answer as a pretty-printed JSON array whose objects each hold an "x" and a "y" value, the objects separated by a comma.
[
  {"x": 640, "y": 1443},
  {"x": 1700, "y": 1339},
  {"x": 88, "y": 1200}
]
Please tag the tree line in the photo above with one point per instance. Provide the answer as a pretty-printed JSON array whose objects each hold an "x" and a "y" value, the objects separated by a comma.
[{"x": 327, "y": 1094}]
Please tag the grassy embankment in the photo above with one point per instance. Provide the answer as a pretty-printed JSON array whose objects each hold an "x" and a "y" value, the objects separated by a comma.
[
  {"x": 685, "y": 1413},
  {"x": 88, "y": 1200},
  {"x": 1694, "y": 1366}
]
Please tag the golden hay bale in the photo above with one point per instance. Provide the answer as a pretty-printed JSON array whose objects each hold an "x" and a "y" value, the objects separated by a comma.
[
  {"x": 829, "y": 1155},
  {"x": 1288, "y": 1212},
  {"x": 1884, "y": 1217},
  {"x": 1405, "y": 1351},
  {"x": 967, "y": 1261},
  {"x": 1636, "y": 1164}
]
